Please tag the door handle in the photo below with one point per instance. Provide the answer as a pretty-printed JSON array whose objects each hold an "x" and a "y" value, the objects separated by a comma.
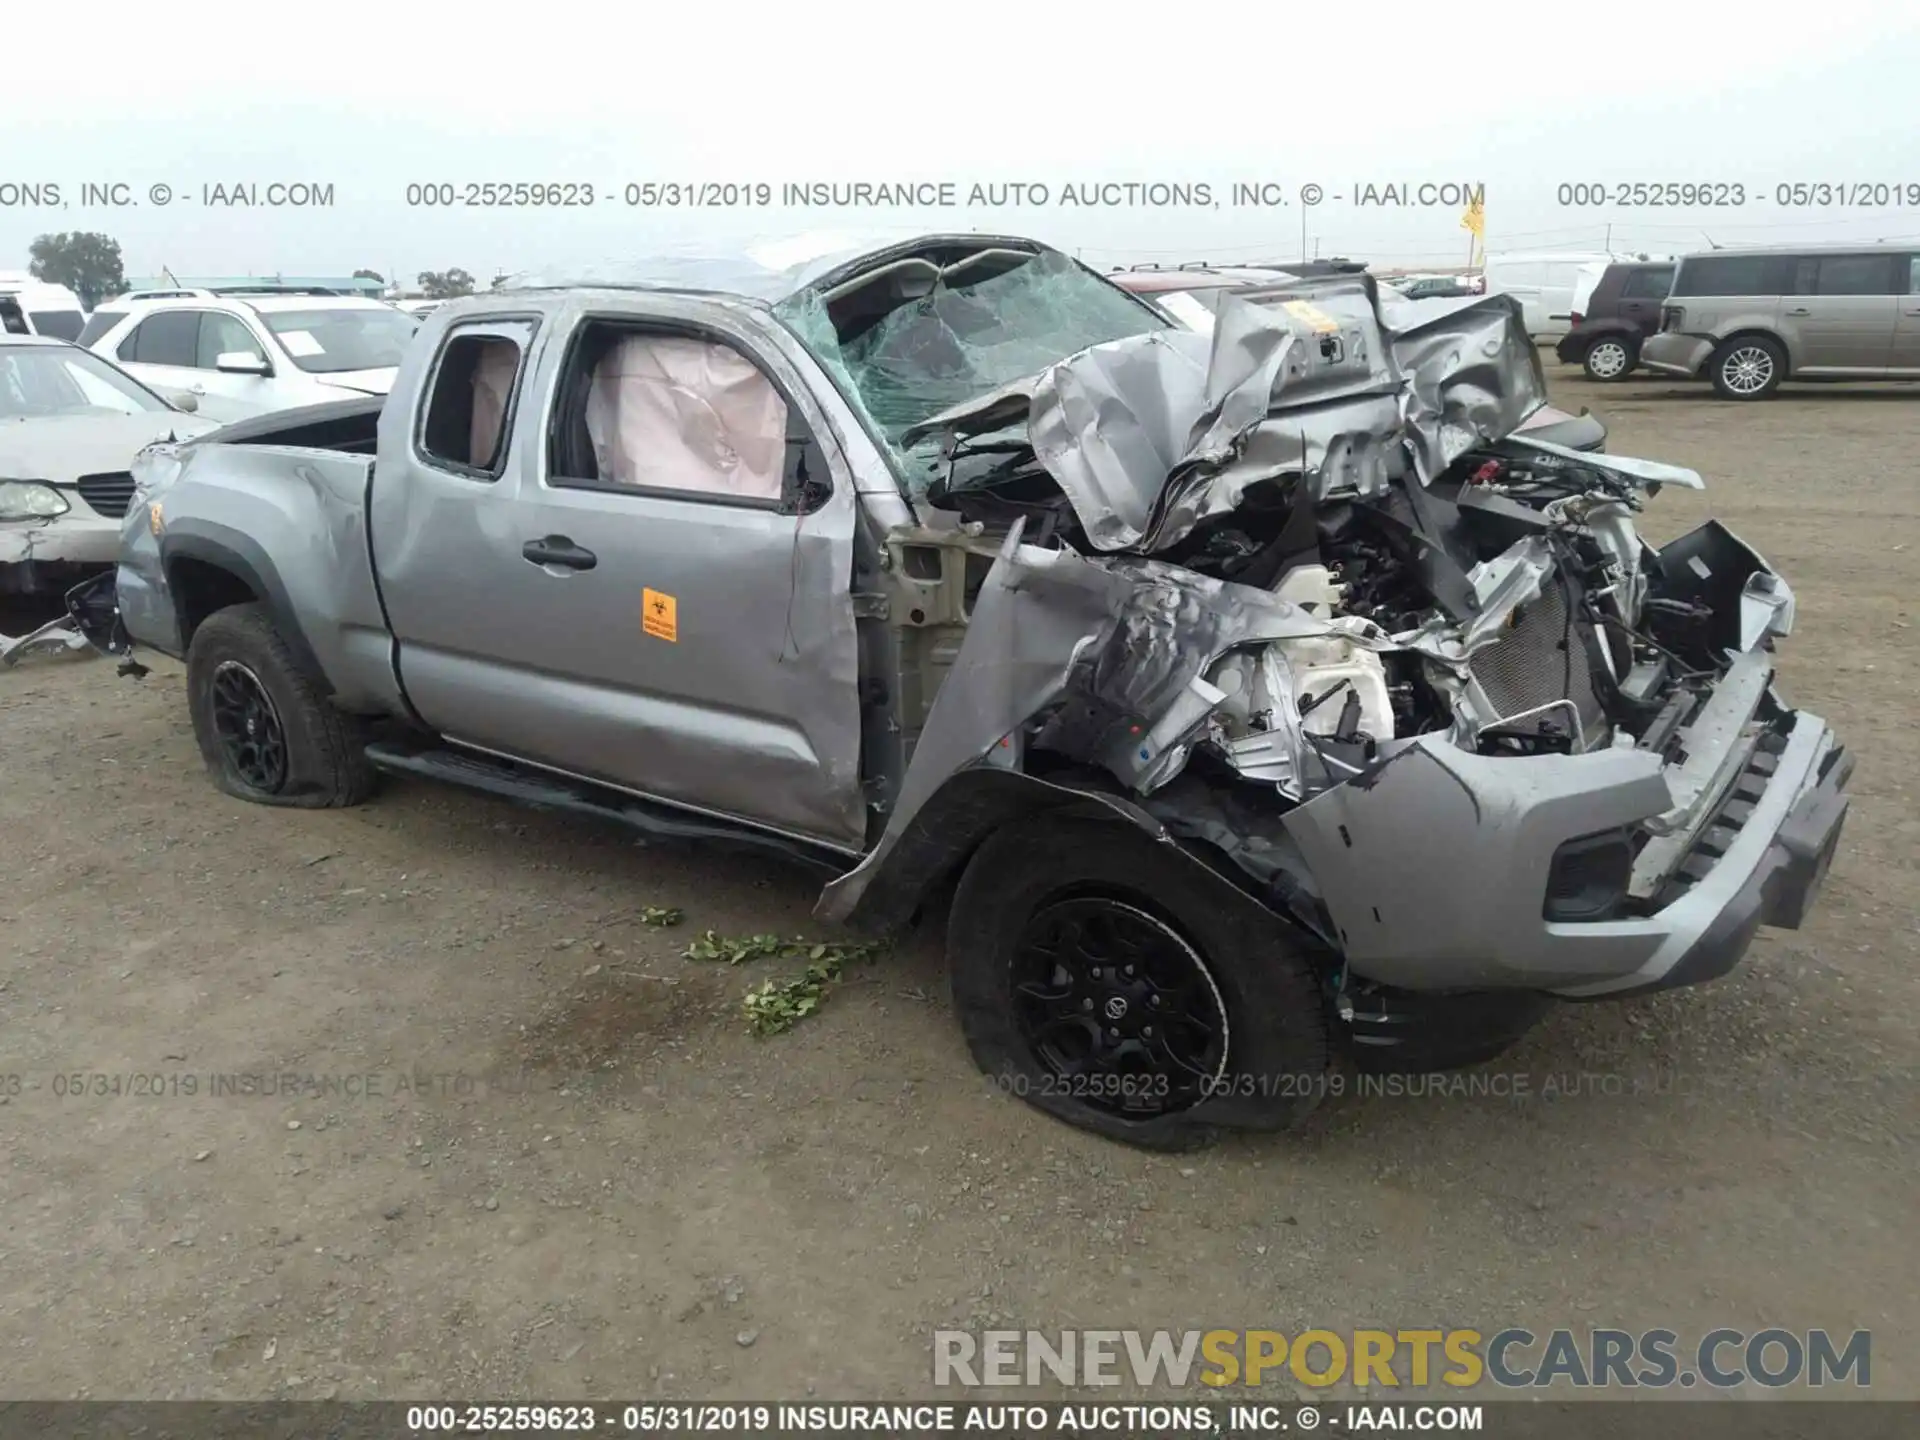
[
  {"x": 559, "y": 550},
  {"x": 1799, "y": 311},
  {"x": 196, "y": 389}
]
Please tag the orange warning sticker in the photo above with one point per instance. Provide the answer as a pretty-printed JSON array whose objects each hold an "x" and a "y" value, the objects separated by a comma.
[
  {"x": 659, "y": 615},
  {"x": 1313, "y": 317}
]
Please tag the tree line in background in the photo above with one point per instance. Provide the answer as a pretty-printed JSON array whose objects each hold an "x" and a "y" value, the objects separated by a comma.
[{"x": 88, "y": 263}]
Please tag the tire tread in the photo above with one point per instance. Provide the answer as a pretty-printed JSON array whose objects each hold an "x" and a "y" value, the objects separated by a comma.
[{"x": 330, "y": 745}]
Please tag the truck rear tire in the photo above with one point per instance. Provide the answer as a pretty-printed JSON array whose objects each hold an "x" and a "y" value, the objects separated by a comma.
[
  {"x": 1100, "y": 979},
  {"x": 266, "y": 732}
]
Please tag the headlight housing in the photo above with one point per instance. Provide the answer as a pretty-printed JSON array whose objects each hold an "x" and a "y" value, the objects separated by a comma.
[{"x": 30, "y": 500}]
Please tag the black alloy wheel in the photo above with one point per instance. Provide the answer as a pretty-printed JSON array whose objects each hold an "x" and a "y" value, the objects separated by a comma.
[
  {"x": 1122, "y": 986},
  {"x": 266, "y": 727},
  {"x": 1118, "y": 1007},
  {"x": 252, "y": 739}
]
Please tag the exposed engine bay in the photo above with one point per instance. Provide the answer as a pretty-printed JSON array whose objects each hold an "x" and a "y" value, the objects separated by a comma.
[
  {"x": 1511, "y": 611},
  {"x": 1507, "y": 602}
]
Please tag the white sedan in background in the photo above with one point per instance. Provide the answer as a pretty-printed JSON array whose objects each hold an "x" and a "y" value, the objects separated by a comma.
[{"x": 70, "y": 425}]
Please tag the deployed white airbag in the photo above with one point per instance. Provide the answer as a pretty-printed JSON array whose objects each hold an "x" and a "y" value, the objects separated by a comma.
[
  {"x": 671, "y": 413},
  {"x": 493, "y": 376}
]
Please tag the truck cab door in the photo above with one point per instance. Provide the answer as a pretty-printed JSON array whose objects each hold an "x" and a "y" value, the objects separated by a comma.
[{"x": 620, "y": 547}]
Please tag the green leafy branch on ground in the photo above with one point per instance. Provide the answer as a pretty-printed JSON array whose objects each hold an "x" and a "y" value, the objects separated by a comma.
[{"x": 775, "y": 1006}]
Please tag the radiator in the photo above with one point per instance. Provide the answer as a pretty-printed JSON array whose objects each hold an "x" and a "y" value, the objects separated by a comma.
[{"x": 1538, "y": 661}]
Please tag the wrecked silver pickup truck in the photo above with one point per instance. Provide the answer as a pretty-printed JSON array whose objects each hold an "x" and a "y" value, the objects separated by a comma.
[{"x": 1263, "y": 692}]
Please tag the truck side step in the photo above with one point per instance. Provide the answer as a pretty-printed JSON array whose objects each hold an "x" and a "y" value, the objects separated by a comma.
[{"x": 539, "y": 790}]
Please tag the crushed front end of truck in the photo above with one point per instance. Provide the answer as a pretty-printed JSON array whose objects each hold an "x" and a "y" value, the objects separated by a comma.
[{"x": 1299, "y": 596}]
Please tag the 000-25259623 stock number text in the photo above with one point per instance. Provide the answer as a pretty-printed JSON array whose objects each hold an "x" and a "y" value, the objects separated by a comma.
[
  {"x": 579, "y": 194},
  {"x": 1731, "y": 194}
]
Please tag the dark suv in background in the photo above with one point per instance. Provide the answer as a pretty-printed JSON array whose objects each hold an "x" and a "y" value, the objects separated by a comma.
[{"x": 1622, "y": 311}]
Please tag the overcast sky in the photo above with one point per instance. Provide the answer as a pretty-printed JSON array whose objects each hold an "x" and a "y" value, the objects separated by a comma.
[{"x": 1522, "y": 97}]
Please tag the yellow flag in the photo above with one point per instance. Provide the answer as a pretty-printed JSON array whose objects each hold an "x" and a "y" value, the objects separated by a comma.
[{"x": 1474, "y": 218}]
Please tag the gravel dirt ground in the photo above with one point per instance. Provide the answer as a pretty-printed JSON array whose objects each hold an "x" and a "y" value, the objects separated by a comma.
[{"x": 549, "y": 1161}]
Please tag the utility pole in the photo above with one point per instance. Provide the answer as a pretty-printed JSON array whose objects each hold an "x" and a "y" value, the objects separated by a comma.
[
  {"x": 1303, "y": 233},
  {"x": 1608, "y": 247}
]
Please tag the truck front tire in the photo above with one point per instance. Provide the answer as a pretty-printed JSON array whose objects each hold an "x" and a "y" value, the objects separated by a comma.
[
  {"x": 266, "y": 732},
  {"x": 1100, "y": 978}
]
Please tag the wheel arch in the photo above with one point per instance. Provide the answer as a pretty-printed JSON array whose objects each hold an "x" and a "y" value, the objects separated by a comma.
[
  {"x": 1752, "y": 332},
  {"x": 209, "y": 567},
  {"x": 1597, "y": 330},
  {"x": 946, "y": 832}
]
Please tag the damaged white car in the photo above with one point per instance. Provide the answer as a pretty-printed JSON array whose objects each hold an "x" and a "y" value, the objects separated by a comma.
[{"x": 1264, "y": 693}]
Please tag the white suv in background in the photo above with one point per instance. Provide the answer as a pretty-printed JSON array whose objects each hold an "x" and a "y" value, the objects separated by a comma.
[{"x": 248, "y": 352}]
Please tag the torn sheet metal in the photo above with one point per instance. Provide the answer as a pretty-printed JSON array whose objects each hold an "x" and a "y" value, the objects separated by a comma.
[
  {"x": 1124, "y": 644},
  {"x": 1035, "y": 612},
  {"x": 1644, "y": 474},
  {"x": 1151, "y": 434},
  {"x": 54, "y": 637}
]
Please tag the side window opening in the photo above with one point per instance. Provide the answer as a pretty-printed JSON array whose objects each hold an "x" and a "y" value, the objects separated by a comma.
[
  {"x": 469, "y": 414},
  {"x": 1648, "y": 284},
  {"x": 61, "y": 324},
  {"x": 652, "y": 411},
  {"x": 1854, "y": 275},
  {"x": 167, "y": 337}
]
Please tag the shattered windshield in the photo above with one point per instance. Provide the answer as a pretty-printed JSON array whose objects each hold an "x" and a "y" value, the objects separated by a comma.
[{"x": 917, "y": 338}]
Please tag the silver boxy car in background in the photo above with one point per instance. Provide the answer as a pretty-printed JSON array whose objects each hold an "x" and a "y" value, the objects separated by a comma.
[{"x": 1748, "y": 319}]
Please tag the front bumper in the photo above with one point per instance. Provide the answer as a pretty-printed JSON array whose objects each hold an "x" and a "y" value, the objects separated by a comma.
[
  {"x": 1779, "y": 890},
  {"x": 1435, "y": 868},
  {"x": 1675, "y": 353},
  {"x": 42, "y": 557}
]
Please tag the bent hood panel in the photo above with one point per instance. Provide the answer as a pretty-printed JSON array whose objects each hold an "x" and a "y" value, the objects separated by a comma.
[{"x": 1149, "y": 435}]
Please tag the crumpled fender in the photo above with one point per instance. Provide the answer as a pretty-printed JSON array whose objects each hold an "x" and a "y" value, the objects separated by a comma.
[{"x": 1134, "y": 635}]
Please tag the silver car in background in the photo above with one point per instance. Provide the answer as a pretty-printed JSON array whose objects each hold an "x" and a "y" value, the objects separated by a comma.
[{"x": 1748, "y": 319}]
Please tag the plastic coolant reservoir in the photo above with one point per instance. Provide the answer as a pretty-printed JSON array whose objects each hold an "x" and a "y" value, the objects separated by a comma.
[{"x": 1319, "y": 665}]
